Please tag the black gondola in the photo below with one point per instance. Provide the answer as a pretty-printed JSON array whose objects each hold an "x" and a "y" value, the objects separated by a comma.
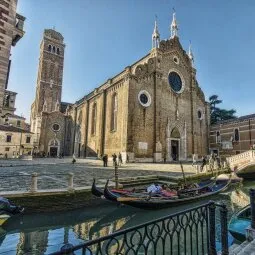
[
  {"x": 239, "y": 222},
  {"x": 95, "y": 190},
  {"x": 149, "y": 202}
]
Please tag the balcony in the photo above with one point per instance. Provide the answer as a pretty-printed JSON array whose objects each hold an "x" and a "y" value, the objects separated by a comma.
[{"x": 18, "y": 31}]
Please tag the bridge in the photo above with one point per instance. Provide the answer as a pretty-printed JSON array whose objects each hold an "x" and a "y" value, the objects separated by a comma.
[
  {"x": 239, "y": 198},
  {"x": 242, "y": 160}
]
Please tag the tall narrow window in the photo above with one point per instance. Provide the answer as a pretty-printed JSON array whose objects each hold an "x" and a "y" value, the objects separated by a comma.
[
  {"x": 58, "y": 51},
  {"x": 8, "y": 138},
  {"x": 54, "y": 49},
  {"x": 28, "y": 139},
  {"x": 94, "y": 118},
  {"x": 114, "y": 113},
  {"x": 218, "y": 138},
  {"x": 49, "y": 48},
  {"x": 69, "y": 132},
  {"x": 236, "y": 135}
]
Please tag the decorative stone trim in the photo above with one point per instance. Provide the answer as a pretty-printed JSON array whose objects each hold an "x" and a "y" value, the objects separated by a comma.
[
  {"x": 147, "y": 94},
  {"x": 201, "y": 115},
  {"x": 182, "y": 79},
  {"x": 176, "y": 60}
]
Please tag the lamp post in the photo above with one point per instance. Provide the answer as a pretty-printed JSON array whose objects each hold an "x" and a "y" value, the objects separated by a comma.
[{"x": 20, "y": 142}]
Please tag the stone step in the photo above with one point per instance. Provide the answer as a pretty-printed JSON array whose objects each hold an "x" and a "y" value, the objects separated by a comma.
[
  {"x": 233, "y": 247},
  {"x": 249, "y": 249},
  {"x": 139, "y": 180},
  {"x": 143, "y": 181},
  {"x": 128, "y": 179},
  {"x": 239, "y": 248}
]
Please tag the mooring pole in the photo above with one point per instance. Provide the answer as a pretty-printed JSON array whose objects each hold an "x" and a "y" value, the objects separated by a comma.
[
  {"x": 252, "y": 201},
  {"x": 224, "y": 229},
  {"x": 116, "y": 174},
  {"x": 183, "y": 174},
  {"x": 212, "y": 228}
]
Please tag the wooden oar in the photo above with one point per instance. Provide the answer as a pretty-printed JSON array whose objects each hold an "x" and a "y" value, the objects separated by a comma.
[
  {"x": 126, "y": 199},
  {"x": 184, "y": 178}
]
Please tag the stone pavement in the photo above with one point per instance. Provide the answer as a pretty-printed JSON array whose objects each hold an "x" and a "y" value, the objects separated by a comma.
[{"x": 15, "y": 175}]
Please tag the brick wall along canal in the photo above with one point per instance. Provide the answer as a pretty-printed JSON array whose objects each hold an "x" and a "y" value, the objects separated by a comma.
[{"x": 48, "y": 232}]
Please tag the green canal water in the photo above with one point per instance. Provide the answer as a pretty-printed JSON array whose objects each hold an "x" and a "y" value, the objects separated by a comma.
[{"x": 47, "y": 233}]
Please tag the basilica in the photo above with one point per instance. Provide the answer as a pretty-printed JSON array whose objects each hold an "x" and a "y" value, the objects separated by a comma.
[{"x": 153, "y": 110}]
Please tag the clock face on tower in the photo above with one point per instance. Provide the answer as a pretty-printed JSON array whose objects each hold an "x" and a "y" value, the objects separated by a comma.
[{"x": 175, "y": 82}]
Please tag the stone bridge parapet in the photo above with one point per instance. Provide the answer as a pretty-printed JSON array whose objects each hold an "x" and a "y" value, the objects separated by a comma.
[{"x": 242, "y": 160}]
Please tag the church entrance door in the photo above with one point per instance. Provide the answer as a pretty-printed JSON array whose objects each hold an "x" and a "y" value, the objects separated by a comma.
[
  {"x": 79, "y": 150},
  {"x": 53, "y": 151},
  {"x": 175, "y": 150}
]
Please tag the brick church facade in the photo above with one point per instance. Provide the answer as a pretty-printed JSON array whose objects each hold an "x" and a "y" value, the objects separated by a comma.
[{"x": 153, "y": 109}]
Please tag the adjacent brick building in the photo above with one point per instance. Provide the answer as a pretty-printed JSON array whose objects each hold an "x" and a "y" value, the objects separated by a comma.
[
  {"x": 153, "y": 109},
  {"x": 15, "y": 142},
  {"x": 11, "y": 30},
  {"x": 234, "y": 136}
]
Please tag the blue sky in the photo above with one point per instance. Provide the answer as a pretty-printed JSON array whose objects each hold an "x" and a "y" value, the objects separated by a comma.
[{"x": 102, "y": 37}]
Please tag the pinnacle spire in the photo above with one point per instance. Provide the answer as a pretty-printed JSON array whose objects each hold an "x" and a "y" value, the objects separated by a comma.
[
  {"x": 191, "y": 57},
  {"x": 155, "y": 35},
  {"x": 174, "y": 26}
]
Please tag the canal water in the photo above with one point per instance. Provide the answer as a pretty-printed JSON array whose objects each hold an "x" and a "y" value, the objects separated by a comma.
[{"x": 48, "y": 232}]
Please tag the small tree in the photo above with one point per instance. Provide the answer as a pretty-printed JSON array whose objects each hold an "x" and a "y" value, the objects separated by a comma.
[{"x": 217, "y": 113}]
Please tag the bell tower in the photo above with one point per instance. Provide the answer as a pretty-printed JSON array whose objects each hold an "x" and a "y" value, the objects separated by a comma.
[
  {"x": 50, "y": 72},
  {"x": 49, "y": 78}
]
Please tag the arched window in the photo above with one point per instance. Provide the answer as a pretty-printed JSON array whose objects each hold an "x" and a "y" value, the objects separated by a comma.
[
  {"x": 114, "y": 113},
  {"x": 69, "y": 131},
  {"x": 236, "y": 135},
  {"x": 175, "y": 133},
  {"x": 80, "y": 118},
  {"x": 58, "y": 51},
  {"x": 54, "y": 49},
  {"x": 49, "y": 48},
  {"x": 218, "y": 138},
  {"x": 94, "y": 118}
]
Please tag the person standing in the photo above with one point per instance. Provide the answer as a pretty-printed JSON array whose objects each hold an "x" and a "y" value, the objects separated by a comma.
[
  {"x": 73, "y": 160},
  {"x": 203, "y": 163},
  {"x": 164, "y": 158},
  {"x": 120, "y": 159},
  {"x": 104, "y": 160},
  {"x": 193, "y": 159}
]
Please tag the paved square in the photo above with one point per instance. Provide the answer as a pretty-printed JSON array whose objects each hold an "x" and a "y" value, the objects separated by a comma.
[{"x": 53, "y": 173}]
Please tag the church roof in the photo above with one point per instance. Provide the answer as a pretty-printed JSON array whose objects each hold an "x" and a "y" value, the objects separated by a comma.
[
  {"x": 10, "y": 115},
  {"x": 165, "y": 45},
  {"x": 239, "y": 119},
  {"x": 63, "y": 106},
  {"x": 9, "y": 128},
  {"x": 53, "y": 34}
]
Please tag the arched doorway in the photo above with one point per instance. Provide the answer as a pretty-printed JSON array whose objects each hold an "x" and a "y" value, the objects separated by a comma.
[
  {"x": 175, "y": 144},
  {"x": 54, "y": 148},
  {"x": 77, "y": 148}
]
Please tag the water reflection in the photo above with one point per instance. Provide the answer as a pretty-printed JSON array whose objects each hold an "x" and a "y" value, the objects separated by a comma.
[{"x": 46, "y": 233}]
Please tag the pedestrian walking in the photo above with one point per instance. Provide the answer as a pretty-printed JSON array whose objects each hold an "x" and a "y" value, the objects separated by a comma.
[
  {"x": 127, "y": 160},
  {"x": 103, "y": 158},
  {"x": 120, "y": 159},
  {"x": 218, "y": 162},
  {"x": 114, "y": 159}
]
